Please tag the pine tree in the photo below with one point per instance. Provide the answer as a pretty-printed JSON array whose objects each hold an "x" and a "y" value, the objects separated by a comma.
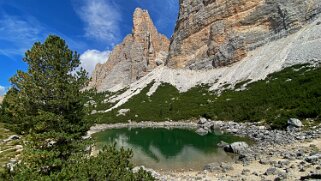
[
  {"x": 48, "y": 94},
  {"x": 45, "y": 103}
]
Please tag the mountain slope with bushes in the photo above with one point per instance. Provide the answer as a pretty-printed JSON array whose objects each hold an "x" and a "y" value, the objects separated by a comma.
[{"x": 292, "y": 92}]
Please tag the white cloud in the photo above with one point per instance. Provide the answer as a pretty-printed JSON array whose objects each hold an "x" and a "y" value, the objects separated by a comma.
[
  {"x": 90, "y": 58},
  {"x": 2, "y": 90},
  {"x": 102, "y": 20}
]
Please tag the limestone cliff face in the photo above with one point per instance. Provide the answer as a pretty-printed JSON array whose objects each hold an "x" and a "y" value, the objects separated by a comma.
[
  {"x": 138, "y": 54},
  {"x": 214, "y": 33}
]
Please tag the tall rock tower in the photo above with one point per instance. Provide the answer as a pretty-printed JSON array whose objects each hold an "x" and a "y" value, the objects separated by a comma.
[{"x": 138, "y": 54}]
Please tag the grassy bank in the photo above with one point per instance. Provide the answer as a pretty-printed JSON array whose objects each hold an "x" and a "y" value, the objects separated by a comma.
[{"x": 292, "y": 92}]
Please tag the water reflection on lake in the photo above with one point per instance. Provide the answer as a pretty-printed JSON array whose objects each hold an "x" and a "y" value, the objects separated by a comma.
[{"x": 169, "y": 149}]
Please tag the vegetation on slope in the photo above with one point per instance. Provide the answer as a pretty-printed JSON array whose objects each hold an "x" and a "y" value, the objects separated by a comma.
[{"x": 292, "y": 92}]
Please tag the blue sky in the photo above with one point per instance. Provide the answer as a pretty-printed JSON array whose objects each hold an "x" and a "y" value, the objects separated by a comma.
[{"x": 91, "y": 27}]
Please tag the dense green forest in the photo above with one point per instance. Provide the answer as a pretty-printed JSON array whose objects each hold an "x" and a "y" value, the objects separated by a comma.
[
  {"x": 45, "y": 105},
  {"x": 292, "y": 92}
]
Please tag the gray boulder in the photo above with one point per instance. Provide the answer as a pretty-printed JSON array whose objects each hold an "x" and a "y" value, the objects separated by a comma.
[
  {"x": 202, "y": 121},
  {"x": 292, "y": 128},
  {"x": 295, "y": 122},
  {"x": 313, "y": 159},
  {"x": 237, "y": 147},
  {"x": 208, "y": 125}
]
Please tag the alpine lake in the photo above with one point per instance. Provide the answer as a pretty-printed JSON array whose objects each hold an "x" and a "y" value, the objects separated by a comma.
[{"x": 169, "y": 148}]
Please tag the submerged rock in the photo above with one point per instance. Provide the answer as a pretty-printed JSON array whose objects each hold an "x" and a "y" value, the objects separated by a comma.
[
  {"x": 222, "y": 144},
  {"x": 202, "y": 131}
]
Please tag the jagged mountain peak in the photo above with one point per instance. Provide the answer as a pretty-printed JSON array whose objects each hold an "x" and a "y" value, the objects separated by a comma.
[
  {"x": 139, "y": 53},
  {"x": 142, "y": 22}
]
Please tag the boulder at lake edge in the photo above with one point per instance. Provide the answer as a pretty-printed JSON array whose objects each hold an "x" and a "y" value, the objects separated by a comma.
[{"x": 236, "y": 147}]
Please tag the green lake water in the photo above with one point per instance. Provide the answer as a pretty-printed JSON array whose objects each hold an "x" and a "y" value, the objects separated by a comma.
[{"x": 169, "y": 149}]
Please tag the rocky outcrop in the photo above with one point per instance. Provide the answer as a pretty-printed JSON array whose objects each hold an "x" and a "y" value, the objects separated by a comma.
[
  {"x": 138, "y": 54},
  {"x": 215, "y": 33},
  {"x": 1, "y": 99}
]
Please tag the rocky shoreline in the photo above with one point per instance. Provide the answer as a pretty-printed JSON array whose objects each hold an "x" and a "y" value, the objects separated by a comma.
[{"x": 276, "y": 154}]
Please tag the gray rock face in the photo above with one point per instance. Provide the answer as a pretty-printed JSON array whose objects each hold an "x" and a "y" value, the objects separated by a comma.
[
  {"x": 212, "y": 33},
  {"x": 138, "y": 54},
  {"x": 237, "y": 147}
]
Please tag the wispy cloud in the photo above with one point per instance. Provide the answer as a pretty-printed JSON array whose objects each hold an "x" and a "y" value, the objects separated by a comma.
[
  {"x": 90, "y": 58},
  {"x": 2, "y": 90},
  {"x": 17, "y": 34},
  {"x": 102, "y": 20}
]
